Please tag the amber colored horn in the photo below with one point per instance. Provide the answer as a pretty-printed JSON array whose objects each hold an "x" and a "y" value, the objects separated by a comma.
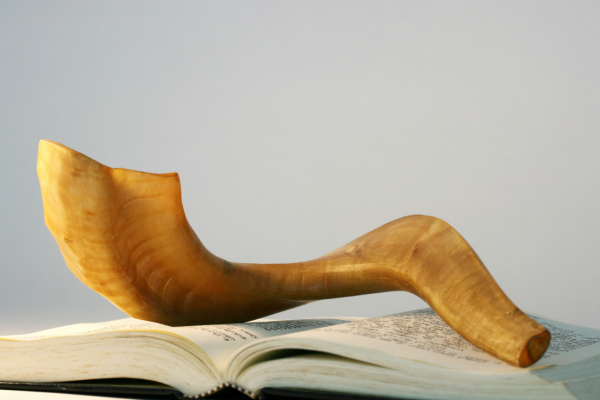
[{"x": 124, "y": 234}]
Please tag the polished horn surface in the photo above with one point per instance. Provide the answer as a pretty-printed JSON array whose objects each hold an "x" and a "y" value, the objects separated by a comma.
[{"x": 125, "y": 235}]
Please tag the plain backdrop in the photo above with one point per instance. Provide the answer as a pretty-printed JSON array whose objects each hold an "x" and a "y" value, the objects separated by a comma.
[{"x": 298, "y": 126}]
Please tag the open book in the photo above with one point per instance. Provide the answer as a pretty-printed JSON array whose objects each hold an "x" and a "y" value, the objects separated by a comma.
[{"x": 408, "y": 355}]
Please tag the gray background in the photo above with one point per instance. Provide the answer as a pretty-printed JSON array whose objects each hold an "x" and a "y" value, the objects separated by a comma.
[{"x": 299, "y": 126}]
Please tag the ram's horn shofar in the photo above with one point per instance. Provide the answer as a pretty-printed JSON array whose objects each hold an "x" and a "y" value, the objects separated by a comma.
[{"x": 124, "y": 234}]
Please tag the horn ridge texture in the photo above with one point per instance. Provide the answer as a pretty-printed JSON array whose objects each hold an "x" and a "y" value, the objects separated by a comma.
[{"x": 125, "y": 235}]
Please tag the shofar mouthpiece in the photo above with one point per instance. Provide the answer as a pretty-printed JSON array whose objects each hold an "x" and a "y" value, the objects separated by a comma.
[{"x": 124, "y": 234}]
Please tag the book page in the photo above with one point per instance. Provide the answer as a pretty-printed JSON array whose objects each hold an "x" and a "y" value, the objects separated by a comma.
[
  {"x": 125, "y": 324},
  {"x": 423, "y": 336},
  {"x": 569, "y": 343},
  {"x": 221, "y": 341},
  {"x": 218, "y": 341},
  {"x": 420, "y": 335}
]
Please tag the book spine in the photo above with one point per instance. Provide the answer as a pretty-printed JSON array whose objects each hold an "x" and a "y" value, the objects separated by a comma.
[{"x": 222, "y": 386}]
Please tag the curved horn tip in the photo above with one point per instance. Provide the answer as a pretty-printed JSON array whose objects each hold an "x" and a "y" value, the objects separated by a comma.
[{"x": 535, "y": 349}]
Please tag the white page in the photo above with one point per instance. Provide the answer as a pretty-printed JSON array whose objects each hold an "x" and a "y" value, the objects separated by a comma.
[
  {"x": 569, "y": 343},
  {"x": 422, "y": 335},
  {"x": 124, "y": 324},
  {"x": 30, "y": 395},
  {"x": 221, "y": 341},
  {"x": 218, "y": 341}
]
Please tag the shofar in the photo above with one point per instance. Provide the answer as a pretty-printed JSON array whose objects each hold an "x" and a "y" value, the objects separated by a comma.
[{"x": 125, "y": 235}]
